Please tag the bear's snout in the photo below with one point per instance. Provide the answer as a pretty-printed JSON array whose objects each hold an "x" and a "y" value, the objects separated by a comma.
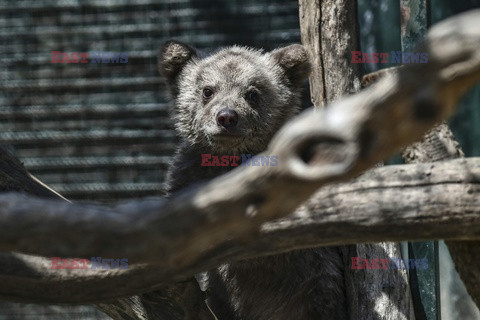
[{"x": 227, "y": 118}]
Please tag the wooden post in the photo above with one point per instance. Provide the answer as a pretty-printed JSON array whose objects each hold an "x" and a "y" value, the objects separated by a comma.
[{"x": 330, "y": 33}]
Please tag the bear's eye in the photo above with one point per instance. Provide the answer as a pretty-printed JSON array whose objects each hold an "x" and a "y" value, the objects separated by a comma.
[
  {"x": 207, "y": 92},
  {"x": 252, "y": 95}
]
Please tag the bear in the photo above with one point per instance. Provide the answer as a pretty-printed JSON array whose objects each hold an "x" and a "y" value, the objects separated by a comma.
[{"x": 230, "y": 103}]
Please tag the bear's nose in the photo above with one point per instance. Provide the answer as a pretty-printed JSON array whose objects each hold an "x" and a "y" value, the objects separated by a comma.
[{"x": 227, "y": 118}]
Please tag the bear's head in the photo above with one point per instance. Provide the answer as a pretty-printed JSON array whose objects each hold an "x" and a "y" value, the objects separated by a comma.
[{"x": 233, "y": 101}]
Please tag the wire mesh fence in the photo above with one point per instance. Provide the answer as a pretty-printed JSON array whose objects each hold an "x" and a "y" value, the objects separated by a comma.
[
  {"x": 102, "y": 131},
  {"x": 98, "y": 131}
]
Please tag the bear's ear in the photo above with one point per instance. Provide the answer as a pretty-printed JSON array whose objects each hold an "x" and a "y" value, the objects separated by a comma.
[
  {"x": 172, "y": 58},
  {"x": 294, "y": 61}
]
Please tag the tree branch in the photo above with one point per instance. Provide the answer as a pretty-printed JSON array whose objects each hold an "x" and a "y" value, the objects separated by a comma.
[{"x": 365, "y": 210}]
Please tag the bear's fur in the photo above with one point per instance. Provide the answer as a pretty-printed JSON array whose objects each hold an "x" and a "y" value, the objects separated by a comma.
[{"x": 232, "y": 102}]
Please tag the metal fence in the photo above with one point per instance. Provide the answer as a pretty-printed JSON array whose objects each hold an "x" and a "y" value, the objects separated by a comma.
[{"x": 102, "y": 131}]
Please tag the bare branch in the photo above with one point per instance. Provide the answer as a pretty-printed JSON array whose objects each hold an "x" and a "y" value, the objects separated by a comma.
[{"x": 366, "y": 210}]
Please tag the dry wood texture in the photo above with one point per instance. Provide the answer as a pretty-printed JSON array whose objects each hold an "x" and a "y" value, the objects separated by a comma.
[
  {"x": 330, "y": 33},
  {"x": 367, "y": 209}
]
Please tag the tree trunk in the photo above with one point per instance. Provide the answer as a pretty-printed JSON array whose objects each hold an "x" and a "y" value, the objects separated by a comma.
[{"x": 330, "y": 33}]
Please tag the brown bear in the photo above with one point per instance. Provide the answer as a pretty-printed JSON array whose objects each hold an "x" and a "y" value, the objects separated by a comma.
[{"x": 231, "y": 103}]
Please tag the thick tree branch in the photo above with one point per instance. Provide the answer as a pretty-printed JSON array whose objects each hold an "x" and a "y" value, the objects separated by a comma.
[
  {"x": 366, "y": 210},
  {"x": 437, "y": 145}
]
